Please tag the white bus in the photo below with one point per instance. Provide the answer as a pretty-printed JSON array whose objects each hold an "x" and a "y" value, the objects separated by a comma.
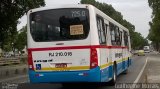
[
  {"x": 76, "y": 43},
  {"x": 146, "y": 49}
]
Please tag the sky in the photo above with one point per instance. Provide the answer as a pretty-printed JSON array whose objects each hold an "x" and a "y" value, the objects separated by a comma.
[{"x": 137, "y": 12}]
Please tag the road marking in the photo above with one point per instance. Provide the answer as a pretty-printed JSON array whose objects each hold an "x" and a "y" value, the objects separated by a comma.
[{"x": 140, "y": 74}]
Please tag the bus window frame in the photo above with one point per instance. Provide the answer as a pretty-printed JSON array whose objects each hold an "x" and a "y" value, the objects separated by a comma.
[
  {"x": 106, "y": 31},
  {"x": 112, "y": 33},
  {"x": 117, "y": 36},
  {"x": 125, "y": 33},
  {"x": 30, "y": 17},
  {"x": 101, "y": 31}
]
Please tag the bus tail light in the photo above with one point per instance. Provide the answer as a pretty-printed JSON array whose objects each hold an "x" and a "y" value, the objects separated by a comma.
[
  {"x": 30, "y": 62},
  {"x": 94, "y": 58}
]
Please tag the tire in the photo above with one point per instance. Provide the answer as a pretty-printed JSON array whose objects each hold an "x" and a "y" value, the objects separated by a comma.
[{"x": 113, "y": 81}]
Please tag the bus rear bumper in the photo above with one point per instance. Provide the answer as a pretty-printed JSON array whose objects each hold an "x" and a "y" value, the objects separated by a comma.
[{"x": 92, "y": 75}]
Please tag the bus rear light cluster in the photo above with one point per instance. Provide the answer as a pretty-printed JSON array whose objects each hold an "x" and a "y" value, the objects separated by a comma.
[
  {"x": 30, "y": 66},
  {"x": 94, "y": 58},
  {"x": 30, "y": 62}
]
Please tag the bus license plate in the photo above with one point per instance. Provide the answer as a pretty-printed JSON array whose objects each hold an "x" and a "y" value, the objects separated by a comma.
[{"x": 61, "y": 65}]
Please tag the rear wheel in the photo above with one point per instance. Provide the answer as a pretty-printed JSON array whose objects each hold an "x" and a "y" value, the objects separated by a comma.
[{"x": 113, "y": 81}]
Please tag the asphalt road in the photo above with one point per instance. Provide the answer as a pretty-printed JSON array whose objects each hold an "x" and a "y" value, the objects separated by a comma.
[{"x": 134, "y": 70}]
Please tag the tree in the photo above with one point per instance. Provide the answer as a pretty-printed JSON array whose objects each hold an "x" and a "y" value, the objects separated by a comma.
[
  {"x": 10, "y": 12},
  {"x": 7, "y": 46},
  {"x": 21, "y": 40},
  {"x": 139, "y": 41},
  {"x": 155, "y": 5},
  {"x": 155, "y": 24}
]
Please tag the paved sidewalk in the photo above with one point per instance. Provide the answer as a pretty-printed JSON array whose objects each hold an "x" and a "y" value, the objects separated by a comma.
[
  {"x": 12, "y": 71},
  {"x": 152, "y": 71}
]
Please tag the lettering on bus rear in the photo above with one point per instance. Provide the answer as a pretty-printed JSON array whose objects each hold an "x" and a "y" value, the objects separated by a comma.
[{"x": 60, "y": 54}]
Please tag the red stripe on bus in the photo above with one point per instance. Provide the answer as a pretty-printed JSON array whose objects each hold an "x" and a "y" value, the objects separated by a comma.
[{"x": 75, "y": 47}]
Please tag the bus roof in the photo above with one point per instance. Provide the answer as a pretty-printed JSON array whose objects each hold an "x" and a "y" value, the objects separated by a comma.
[{"x": 60, "y": 6}]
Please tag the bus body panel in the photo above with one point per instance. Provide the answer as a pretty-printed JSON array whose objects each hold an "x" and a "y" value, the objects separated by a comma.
[
  {"x": 47, "y": 60},
  {"x": 61, "y": 60},
  {"x": 92, "y": 75},
  {"x": 32, "y": 44},
  {"x": 104, "y": 63},
  {"x": 121, "y": 60}
]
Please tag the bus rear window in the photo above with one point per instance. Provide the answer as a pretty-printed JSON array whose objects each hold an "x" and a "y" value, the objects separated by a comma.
[{"x": 59, "y": 25}]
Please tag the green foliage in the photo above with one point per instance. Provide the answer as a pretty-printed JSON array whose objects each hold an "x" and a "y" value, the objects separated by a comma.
[
  {"x": 155, "y": 24},
  {"x": 21, "y": 40},
  {"x": 10, "y": 12},
  {"x": 155, "y": 5},
  {"x": 137, "y": 41},
  {"x": 7, "y": 46}
]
